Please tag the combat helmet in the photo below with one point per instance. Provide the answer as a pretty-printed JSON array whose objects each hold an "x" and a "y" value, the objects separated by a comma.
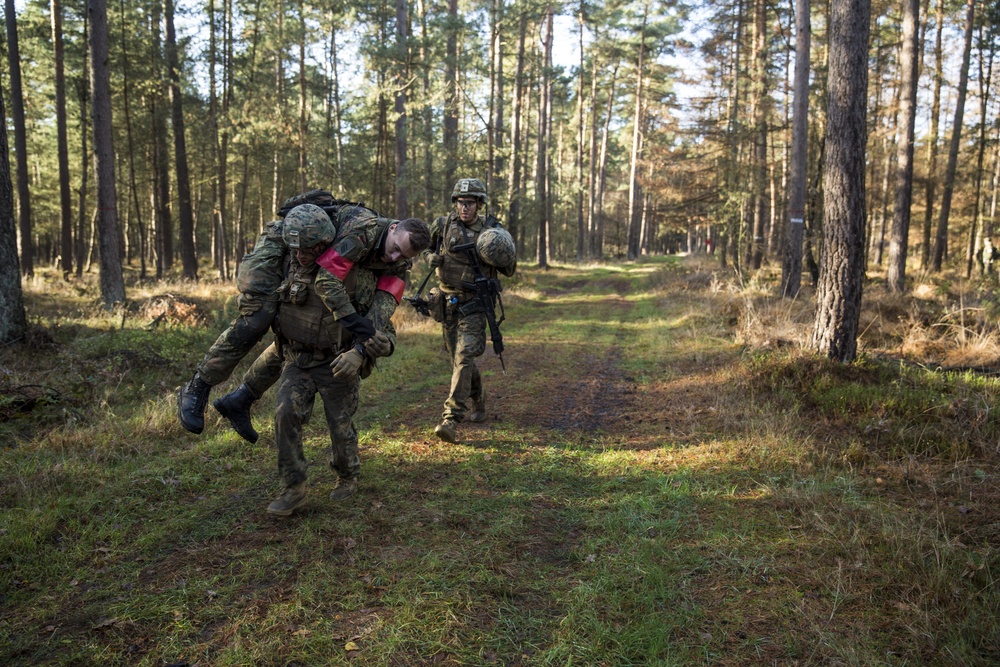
[
  {"x": 496, "y": 247},
  {"x": 307, "y": 225},
  {"x": 469, "y": 187}
]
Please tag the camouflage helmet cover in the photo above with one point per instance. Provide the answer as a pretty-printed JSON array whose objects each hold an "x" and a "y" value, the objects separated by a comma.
[
  {"x": 496, "y": 247},
  {"x": 469, "y": 187},
  {"x": 307, "y": 225}
]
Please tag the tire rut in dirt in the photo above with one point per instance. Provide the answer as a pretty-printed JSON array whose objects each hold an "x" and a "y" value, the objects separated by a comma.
[{"x": 596, "y": 400}]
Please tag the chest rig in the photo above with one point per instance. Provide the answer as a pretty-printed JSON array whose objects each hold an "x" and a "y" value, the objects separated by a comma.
[
  {"x": 303, "y": 320},
  {"x": 457, "y": 267}
]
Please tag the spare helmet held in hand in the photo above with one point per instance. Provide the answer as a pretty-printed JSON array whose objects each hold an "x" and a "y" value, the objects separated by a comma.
[{"x": 496, "y": 247}]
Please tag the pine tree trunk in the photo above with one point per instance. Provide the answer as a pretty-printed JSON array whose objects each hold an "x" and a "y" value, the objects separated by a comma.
[
  {"x": 941, "y": 241},
  {"x": 131, "y": 153},
  {"x": 581, "y": 231},
  {"x": 279, "y": 90},
  {"x": 240, "y": 245},
  {"x": 592, "y": 176},
  {"x": 517, "y": 121},
  {"x": 890, "y": 139},
  {"x": 899, "y": 236},
  {"x": 189, "y": 257},
  {"x": 427, "y": 115},
  {"x": 402, "y": 76},
  {"x": 303, "y": 134},
  {"x": 13, "y": 321},
  {"x": 338, "y": 143},
  {"x": 65, "y": 205},
  {"x": 632, "y": 251},
  {"x": 542, "y": 181},
  {"x": 760, "y": 133},
  {"x": 82, "y": 95},
  {"x": 111, "y": 280},
  {"x": 162, "y": 225},
  {"x": 20, "y": 140},
  {"x": 838, "y": 298},
  {"x": 602, "y": 167},
  {"x": 497, "y": 184},
  {"x": 932, "y": 142},
  {"x": 451, "y": 97},
  {"x": 225, "y": 226},
  {"x": 975, "y": 239}
]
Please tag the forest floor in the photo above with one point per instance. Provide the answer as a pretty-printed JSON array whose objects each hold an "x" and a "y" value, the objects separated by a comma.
[{"x": 666, "y": 477}]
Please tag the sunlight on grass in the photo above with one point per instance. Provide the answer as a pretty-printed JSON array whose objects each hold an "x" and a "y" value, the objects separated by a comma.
[{"x": 664, "y": 477}]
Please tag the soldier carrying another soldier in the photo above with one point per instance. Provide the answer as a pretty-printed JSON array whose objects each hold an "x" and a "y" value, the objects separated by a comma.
[{"x": 379, "y": 245}]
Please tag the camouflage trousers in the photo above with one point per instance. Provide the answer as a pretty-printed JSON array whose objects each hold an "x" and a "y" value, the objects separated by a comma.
[
  {"x": 465, "y": 339},
  {"x": 264, "y": 371},
  {"x": 237, "y": 340},
  {"x": 297, "y": 389}
]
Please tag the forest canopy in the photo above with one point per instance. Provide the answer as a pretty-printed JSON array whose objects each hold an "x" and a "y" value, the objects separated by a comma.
[{"x": 603, "y": 130}]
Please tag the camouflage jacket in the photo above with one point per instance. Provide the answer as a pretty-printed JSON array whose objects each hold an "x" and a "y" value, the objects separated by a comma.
[
  {"x": 262, "y": 269},
  {"x": 360, "y": 243}
]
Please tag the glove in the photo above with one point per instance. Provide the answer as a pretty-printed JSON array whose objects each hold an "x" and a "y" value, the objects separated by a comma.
[
  {"x": 434, "y": 260},
  {"x": 347, "y": 364},
  {"x": 378, "y": 345}
]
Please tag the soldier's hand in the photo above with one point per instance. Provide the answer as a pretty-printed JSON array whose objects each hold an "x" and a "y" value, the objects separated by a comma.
[
  {"x": 378, "y": 345},
  {"x": 347, "y": 364},
  {"x": 434, "y": 260}
]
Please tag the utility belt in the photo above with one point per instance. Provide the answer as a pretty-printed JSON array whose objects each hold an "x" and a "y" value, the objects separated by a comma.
[
  {"x": 444, "y": 305},
  {"x": 305, "y": 355}
]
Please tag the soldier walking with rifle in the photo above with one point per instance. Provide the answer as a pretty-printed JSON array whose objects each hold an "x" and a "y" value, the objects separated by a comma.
[{"x": 470, "y": 248}]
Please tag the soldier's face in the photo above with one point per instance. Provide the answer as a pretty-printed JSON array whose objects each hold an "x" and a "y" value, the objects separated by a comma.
[
  {"x": 467, "y": 208},
  {"x": 306, "y": 257},
  {"x": 397, "y": 245}
]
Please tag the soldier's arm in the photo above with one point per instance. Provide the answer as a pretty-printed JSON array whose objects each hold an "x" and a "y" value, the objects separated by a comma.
[
  {"x": 389, "y": 288},
  {"x": 354, "y": 242},
  {"x": 437, "y": 233},
  {"x": 350, "y": 246}
]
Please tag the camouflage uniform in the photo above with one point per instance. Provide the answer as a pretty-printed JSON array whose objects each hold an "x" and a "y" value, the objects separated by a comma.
[
  {"x": 311, "y": 341},
  {"x": 259, "y": 278},
  {"x": 358, "y": 242},
  {"x": 464, "y": 325},
  {"x": 259, "y": 275}
]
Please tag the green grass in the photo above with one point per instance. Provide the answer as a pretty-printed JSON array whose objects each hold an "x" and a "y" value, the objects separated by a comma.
[{"x": 644, "y": 493}]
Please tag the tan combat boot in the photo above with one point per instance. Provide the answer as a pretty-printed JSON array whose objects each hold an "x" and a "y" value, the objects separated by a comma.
[
  {"x": 290, "y": 498},
  {"x": 345, "y": 488},
  {"x": 447, "y": 431},
  {"x": 478, "y": 409}
]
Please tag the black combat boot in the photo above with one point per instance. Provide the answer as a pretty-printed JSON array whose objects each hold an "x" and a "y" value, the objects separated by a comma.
[
  {"x": 191, "y": 400},
  {"x": 235, "y": 406}
]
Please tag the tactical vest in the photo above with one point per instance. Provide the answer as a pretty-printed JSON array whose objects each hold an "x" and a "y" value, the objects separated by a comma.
[
  {"x": 457, "y": 267},
  {"x": 303, "y": 319}
]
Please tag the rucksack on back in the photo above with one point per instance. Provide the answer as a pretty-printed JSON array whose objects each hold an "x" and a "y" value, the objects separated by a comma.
[{"x": 321, "y": 198}]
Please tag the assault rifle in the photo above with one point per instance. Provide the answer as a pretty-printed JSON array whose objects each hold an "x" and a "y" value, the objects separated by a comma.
[
  {"x": 487, "y": 294},
  {"x": 420, "y": 304}
]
